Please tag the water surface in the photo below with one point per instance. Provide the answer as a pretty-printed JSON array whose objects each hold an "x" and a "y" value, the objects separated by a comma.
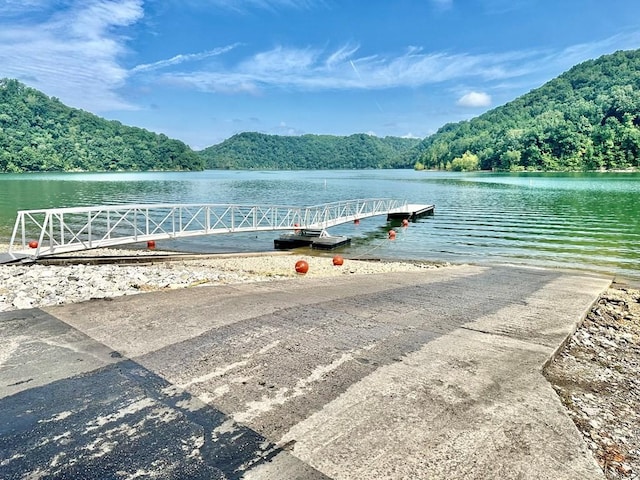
[{"x": 585, "y": 221}]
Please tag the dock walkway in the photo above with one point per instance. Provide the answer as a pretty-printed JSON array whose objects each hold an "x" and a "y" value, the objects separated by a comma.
[{"x": 53, "y": 231}]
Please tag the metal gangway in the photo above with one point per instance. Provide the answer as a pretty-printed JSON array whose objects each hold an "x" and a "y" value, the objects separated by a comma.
[{"x": 39, "y": 233}]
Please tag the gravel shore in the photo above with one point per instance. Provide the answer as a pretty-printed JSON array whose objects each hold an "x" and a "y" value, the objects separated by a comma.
[
  {"x": 596, "y": 374},
  {"x": 29, "y": 286}
]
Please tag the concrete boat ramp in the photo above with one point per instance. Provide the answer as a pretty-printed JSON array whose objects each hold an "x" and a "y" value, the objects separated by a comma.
[{"x": 433, "y": 375}]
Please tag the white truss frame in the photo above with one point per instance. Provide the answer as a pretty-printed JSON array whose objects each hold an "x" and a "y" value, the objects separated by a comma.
[{"x": 62, "y": 230}]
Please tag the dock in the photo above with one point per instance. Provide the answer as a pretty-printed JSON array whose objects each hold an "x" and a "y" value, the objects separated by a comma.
[
  {"x": 319, "y": 239},
  {"x": 55, "y": 231},
  {"x": 311, "y": 239},
  {"x": 411, "y": 212}
]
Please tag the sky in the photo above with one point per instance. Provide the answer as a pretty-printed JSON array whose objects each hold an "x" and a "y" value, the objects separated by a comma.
[{"x": 203, "y": 70}]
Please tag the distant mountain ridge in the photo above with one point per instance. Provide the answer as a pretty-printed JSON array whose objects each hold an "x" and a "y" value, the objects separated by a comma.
[
  {"x": 252, "y": 150},
  {"x": 588, "y": 118},
  {"x": 38, "y": 133}
]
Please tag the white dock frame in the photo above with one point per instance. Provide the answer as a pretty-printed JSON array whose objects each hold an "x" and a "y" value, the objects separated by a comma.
[{"x": 63, "y": 230}]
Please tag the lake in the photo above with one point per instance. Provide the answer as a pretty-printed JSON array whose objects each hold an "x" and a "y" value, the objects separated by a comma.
[{"x": 587, "y": 221}]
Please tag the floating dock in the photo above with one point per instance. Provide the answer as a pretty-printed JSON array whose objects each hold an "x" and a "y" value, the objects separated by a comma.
[
  {"x": 311, "y": 238},
  {"x": 411, "y": 212},
  {"x": 54, "y": 231},
  {"x": 316, "y": 239}
]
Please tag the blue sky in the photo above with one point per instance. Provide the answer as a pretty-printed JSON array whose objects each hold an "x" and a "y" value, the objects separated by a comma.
[{"x": 203, "y": 70}]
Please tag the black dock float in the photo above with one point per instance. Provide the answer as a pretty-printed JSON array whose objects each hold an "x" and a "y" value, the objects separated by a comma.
[
  {"x": 411, "y": 212},
  {"x": 295, "y": 240}
]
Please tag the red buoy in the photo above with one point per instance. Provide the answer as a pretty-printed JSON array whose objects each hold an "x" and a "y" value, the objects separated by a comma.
[
  {"x": 392, "y": 234},
  {"x": 357, "y": 221},
  {"x": 33, "y": 244},
  {"x": 151, "y": 244},
  {"x": 338, "y": 260},
  {"x": 405, "y": 223},
  {"x": 302, "y": 267}
]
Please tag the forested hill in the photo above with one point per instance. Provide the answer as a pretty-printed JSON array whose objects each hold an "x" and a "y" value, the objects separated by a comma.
[
  {"x": 259, "y": 151},
  {"x": 38, "y": 133},
  {"x": 586, "y": 119}
]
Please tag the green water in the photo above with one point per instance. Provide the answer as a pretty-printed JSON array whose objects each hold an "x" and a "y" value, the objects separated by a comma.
[{"x": 584, "y": 221}]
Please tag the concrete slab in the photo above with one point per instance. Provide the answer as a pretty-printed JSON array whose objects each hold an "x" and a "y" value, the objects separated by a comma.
[
  {"x": 15, "y": 257},
  {"x": 421, "y": 375},
  {"x": 72, "y": 408}
]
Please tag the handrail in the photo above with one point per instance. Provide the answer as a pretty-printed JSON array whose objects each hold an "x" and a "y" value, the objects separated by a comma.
[{"x": 62, "y": 230}]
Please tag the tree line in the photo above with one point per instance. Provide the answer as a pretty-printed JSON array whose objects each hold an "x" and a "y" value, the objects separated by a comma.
[
  {"x": 586, "y": 119},
  {"x": 252, "y": 150},
  {"x": 39, "y": 133}
]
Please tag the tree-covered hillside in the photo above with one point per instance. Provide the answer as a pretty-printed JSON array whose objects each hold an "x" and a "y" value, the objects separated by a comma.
[
  {"x": 260, "y": 151},
  {"x": 586, "y": 119},
  {"x": 38, "y": 133}
]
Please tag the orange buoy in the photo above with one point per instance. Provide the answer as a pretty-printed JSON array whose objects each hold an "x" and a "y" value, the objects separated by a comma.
[
  {"x": 405, "y": 223},
  {"x": 338, "y": 260},
  {"x": 392, "y": 234},
  {"x": 33, "y": 244},
  {"x": 151, "y": 244},
  {"x": 302, "y": 267}
]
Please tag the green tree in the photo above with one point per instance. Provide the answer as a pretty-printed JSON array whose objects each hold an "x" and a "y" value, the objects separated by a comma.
[{"x": 466, "y": 163}]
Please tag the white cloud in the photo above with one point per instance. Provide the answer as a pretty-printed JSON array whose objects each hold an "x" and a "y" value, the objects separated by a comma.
[
  {"x": 76, "y": 53},
  {"x": 410, "y": 135},
  {"x": 178, "y": 59},
  {"x": 474, "y": 99},
  {"x": 311, "y": 69},
  {"x": 314, "y": 69},
  {"x": 73, "y": 53}
]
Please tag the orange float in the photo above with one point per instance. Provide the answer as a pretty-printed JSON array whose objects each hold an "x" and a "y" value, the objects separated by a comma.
[
  {"x": 392, "y": 234},
  {"x": 33, "y": 244},
  {"x": 338, "y": 260},
  {"x": 302, "y": 267}
]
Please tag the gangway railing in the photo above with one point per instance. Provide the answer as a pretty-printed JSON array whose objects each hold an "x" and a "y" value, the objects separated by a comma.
[{"x": 61, "y": 230}]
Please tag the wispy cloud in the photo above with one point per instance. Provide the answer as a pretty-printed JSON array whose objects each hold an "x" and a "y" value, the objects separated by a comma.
[
  {"x": 312, "y": 69},
  {"x": 345, "y": 68},
  {"x": 76, "y": 52},
  {"x": 182, "y": 58},
  {"x": 73, "y": 53}
]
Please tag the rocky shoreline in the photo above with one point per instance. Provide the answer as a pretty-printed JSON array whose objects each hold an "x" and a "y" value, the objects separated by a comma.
[
  {"x": 35, "y": 285},
  {"x": 597, "y": 377},
  {"x": 596, "y": 374}
]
